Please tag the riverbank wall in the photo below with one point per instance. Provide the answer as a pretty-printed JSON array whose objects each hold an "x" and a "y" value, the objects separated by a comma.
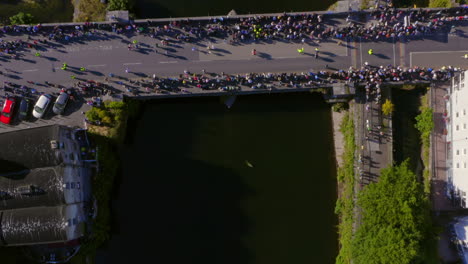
[{"x": 221, "y": 18}]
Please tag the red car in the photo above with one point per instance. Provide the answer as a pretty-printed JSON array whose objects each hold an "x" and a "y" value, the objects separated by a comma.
[{"x": 7, "y": 112}]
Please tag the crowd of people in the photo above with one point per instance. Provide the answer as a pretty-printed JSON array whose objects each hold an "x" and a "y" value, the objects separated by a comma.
[
  {"x": 369, "y": 76},
  {"x": 388, "y": 23}
]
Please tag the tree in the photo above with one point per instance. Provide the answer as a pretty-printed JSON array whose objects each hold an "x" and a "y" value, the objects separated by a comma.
[
  {"x": 425, "y": 124},
  {"x": 395, "y": 220},
  {"x": 388, "y": 107},
  {"x": 119, "y": 5},
  {"x": 21, "y": 19}
]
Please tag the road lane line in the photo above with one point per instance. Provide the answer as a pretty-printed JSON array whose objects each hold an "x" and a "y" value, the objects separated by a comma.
[
  {"x": 132, "y": 63},
  {"x": 97, "y": 65},
  {"x": 449, "y": 51},
  {"x": 432, "y": 52},
  {"x": 168, "y": 62},
  {"x": 33, "y": 70}
]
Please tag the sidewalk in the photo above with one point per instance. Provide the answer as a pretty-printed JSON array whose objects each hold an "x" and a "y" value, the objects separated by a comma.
[{"x": 440, "y": 201}]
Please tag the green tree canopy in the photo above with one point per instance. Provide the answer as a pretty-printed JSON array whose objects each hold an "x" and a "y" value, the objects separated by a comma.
[
  {"x": 21, "y": 19},
  {"x": 425, "y": 124},
  {"x": 395, "y": 219}
]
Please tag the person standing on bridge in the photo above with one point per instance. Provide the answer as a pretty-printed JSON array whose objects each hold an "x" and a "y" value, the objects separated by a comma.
[
  {"x": 370, "y": 51},
  {"x": 465, "y": 56},
  {"x": 82, "y": 69},
  {"x": 316, "y": 53},
  {"x": 301, "y": 50},
  {"x": 37, "y": 54}
]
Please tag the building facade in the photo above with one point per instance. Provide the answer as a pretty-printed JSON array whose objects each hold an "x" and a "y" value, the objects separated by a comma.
[{"x": 457, "y": 139}]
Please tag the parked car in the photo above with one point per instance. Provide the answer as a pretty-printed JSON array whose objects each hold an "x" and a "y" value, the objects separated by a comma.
[
  {"x": 7, "y": 110},
  {"x": 41, "y": 105},
  {"x": 24, "y": 109},
  {"x": 60, "y": 103}
]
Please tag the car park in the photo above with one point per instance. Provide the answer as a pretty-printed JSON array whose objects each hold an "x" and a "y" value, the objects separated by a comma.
[
  {"x": 60, "y": 103},
  {"x": 7, "y": 110},
  {"x": 24, "y": 109},
  {"x": 40, "y": 108}
]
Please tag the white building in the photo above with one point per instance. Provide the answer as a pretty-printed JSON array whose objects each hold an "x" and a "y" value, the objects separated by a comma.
[{"x": 457, "y": 139}]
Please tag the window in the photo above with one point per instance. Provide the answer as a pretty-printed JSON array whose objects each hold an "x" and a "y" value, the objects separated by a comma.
[
  {"x": 464, "y": 126},
  {"x": 78, "y": 185},
  {"x": 464, "y": 151},
  {"x": 464, "y": 165},
  {"x": 67, "y": 185},
  {"x": 456, "y": 115},
  {"x": 457, "y": 128},
  {"x": 458, "y": 165},
  {"x": 73, "y": 157},
  {"x": 75, "y": 221},
  {"x": 69, "y": 222},
  {"x": 73, "y": 185},
  {"x": 464, "y": 112},
  {"x": 458, "y": 152}
]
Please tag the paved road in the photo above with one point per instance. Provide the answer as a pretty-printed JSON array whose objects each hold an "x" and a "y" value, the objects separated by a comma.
[{"x": 109, "y": 54}]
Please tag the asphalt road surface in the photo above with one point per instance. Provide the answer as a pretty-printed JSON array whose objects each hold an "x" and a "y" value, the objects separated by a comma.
[{"x": 108, "y": 53}]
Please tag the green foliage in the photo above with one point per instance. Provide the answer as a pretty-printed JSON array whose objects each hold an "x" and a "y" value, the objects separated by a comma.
[
  {"x": 119, "y": 5},
  {"x": 109, "y": 114},
  {"x": 115, "y": 105},
  {"x": 395, "y": 219},
  {"x": 388, "y": 107},
  {"x": 92, "y": 115},
  {"x": 425, "y": 124},
  {"x": 345, "y": 203},
  {"x": 338, "y": 107},
  {"x": 91, "y": 10},
  {"x": 102, "y": 185},
  {"x": 21, "y": 19},
  {"x": 440, "y": 3}
]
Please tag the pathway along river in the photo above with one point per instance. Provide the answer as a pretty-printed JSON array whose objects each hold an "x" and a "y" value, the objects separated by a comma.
[{"x": 205, "y": 184}]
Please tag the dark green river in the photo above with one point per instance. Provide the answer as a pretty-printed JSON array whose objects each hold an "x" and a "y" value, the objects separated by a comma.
[
  {"x": 203, "y": 184},
  {"x": 189, "y": 8}
]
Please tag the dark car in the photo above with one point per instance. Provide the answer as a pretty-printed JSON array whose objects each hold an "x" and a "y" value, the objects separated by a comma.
[
  {"x": 8, "y": 110},
  {"x": 24, "y": 109}
]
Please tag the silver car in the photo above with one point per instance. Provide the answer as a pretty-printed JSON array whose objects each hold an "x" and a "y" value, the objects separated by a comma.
[
  {"x": 41, "y": 105},
  {"x": 60, "y": 103}
]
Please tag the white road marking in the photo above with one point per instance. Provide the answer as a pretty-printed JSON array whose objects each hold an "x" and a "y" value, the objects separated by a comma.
[
  {"x": 33, "y": 70},
  {"x": 168, "y": 62},
  {"x": 436, "y": 52},
  {"x": 98, "y": 65},
  {"x": 132, "y": 63}
]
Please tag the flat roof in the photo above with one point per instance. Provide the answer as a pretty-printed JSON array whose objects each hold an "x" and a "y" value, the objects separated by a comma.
[
  {"x": 37, "y": 187},
  {"x": 31, "y": 147},
  {"x": 33, "y": 225}
]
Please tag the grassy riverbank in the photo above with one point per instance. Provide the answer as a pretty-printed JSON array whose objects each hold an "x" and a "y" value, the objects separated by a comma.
[
  {"x": 107, "y": 137},
  {"x": 425, "y": 125},
  {"x": 46, "y": 11},
  {"x": 345, "y": 202}
]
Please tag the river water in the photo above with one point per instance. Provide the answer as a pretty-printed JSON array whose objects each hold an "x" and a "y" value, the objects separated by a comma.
[
  {"x": 189, "y": 8},
  {"x": 205, "y": 184}
]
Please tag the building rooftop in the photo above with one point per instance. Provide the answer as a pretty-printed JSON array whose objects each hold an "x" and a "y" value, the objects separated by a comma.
[
  {"x": 31, "y": 147},
  {"x": 37, "y": 187},
  {"x": 38, "y": 225}
]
